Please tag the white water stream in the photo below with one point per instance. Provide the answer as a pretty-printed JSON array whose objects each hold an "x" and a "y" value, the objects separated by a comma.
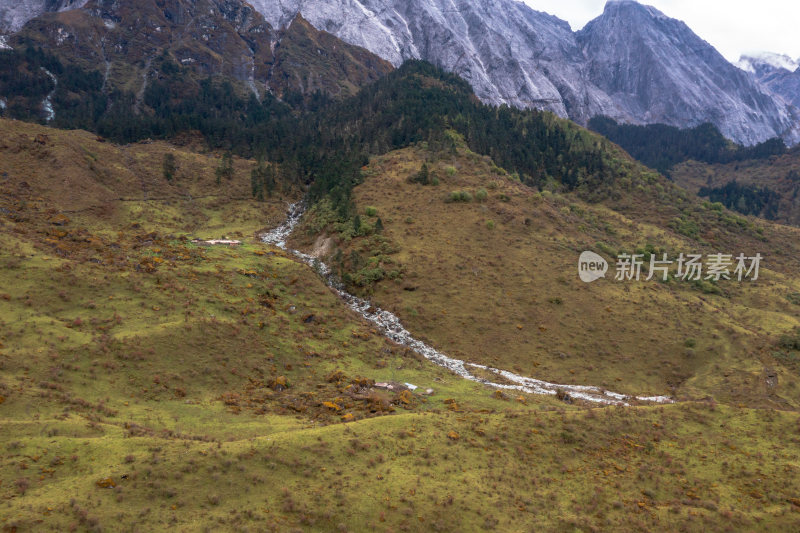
[
  {"x": 392, "y": 328},
  {"x": 47, "y": 105}
]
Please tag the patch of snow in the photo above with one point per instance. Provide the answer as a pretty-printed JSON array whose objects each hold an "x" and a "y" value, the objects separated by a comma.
[
  {"x": 745, "y": 65},
  {"x": 770, "y": 59},
  {"x": 4, "y": 44},
  {"x": 394, "y": 330},
  {"x": 3, "y": 104},
  {"x": 109, "y": 24},
  {"x": 251, "y": 78},
  {"x": 68, "y": 5}
]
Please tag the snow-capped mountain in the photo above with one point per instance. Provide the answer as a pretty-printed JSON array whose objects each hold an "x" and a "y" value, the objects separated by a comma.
[
  {"x": 632, "y": 63},
  {"x": 778, "y": 73}
]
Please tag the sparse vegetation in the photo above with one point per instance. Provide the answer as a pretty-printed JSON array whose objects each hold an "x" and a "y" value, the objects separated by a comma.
[
  {"x": 760, "y": 187},
  {"x": 263, "y": 180},
  {"x": 791, "y": 341},
  {"x": 422, "y": 177},
  {"x": 460, "y": 197}
]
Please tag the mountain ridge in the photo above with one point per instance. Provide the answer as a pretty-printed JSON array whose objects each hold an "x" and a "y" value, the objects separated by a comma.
[
  {"x": 156, "y": 53},
  {"x": 655, "y": 67},
  {"x": 779, "y": 73},
  {"x": 514, "y": 55}
]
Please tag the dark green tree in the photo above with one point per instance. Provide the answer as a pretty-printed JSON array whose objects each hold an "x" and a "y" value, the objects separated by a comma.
[
  {"x": 169, "y": 167},
  {"x": 225, "y": 168},
  {"x": 423, "y": 176},
  {"x": 262, "y": 180}
]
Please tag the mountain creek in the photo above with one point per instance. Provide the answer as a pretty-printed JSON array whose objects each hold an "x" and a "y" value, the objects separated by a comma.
[{"x": 393, "y": 329}]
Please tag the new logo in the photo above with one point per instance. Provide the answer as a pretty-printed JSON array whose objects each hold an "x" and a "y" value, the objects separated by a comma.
[{"x": 591, "y": 267}]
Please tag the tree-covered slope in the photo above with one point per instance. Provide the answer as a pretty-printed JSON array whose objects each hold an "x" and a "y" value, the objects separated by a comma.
[{"x": 661, "y": 147}]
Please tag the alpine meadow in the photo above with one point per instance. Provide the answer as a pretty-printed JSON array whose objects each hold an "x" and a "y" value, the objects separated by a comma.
[{"x": 360, "y": 266}]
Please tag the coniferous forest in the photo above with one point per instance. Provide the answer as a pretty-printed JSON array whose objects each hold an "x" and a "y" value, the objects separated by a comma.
[
  {"x": 661, "y": 147},
  {"x": 746, "y": 199},
  {"x": 317, "y": 141}
]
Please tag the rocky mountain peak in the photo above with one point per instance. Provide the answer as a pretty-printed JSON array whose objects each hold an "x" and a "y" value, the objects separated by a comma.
[
  {"x": 779, "y": 73},
  {"x": 629, "y": 7},
  {"x": 633, "y": 63},
  {"x": 658, "y": 70}
]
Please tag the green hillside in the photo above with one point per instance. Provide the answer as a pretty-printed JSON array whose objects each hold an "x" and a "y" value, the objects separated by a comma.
[{"x": 151, "y": 381}]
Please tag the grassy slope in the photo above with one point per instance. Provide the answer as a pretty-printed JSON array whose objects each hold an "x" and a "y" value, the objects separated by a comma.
[
  {"x": 88, "y": 179},
  {"x": 775, "y": 173},
  {"x": 141, "y": 357},
  {"x": 678, "y": 468},
  {"x": 508, "y": 295}
]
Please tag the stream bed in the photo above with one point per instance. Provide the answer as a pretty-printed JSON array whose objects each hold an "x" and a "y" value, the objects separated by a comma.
[{"x": 391, "y": 327}]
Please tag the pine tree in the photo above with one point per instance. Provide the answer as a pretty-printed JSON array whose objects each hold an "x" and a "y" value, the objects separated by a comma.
[
  {"x": 225, "y": 168},
  {"x": 169, "y": 167},
  {"x": 255, "y": 185},
  {"x": 262, "y": 180}
]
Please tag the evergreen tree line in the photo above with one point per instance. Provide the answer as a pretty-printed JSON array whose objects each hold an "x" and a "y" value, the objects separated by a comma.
[
  {"x": 24, "y": 83},
  {"x": 420, "y": 102},
  {"x": 320, "y": 143},
  {"x": 661, "y": 147},
  {"x": 746, "y": 199}
]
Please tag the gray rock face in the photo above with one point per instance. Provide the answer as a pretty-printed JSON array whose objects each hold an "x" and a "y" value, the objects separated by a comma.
[
  {"x": 658, "y": 70},
  {"x": 632, "y": 63},
  {"x": 15, "y": 13},
  {"x": 508, "y": 52},
  {"x": 778, "y": 73}
]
